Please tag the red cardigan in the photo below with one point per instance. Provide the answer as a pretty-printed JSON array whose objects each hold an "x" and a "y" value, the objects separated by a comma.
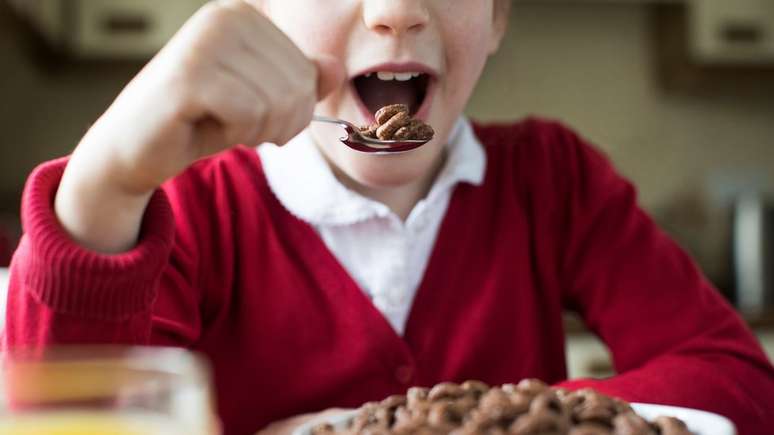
[{"x": 223, "y": 268}]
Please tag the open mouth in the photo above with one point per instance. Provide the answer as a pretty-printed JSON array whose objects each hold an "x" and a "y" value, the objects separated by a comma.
[{"x": 378, "y": 89}]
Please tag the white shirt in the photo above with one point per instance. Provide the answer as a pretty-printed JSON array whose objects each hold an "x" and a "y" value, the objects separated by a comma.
[{"x": 384, "y": 255}]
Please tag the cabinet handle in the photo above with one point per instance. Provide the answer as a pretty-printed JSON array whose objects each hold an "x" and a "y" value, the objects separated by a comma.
[
  {"x": 126, "y": 24},
  {"x": 742, "y": 33}
]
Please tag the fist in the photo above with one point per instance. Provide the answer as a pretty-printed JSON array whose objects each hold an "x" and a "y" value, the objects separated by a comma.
[{"x": 229, "y": 76}]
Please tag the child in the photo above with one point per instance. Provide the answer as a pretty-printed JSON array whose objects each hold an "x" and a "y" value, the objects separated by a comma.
[{"x": 314, "y": 276}]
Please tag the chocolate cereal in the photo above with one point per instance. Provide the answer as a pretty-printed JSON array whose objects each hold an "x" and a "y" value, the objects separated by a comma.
[
  {"x": 394, "y": 122},
  {"x": 528, "y": 408}
]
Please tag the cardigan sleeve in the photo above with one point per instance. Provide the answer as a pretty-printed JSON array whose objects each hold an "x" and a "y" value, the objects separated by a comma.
[
  {"x": 673, "y": 338},
  {"x": 62, "y": 293}
]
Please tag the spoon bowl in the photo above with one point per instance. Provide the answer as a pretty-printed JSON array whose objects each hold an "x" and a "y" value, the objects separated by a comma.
[{"x": 358, "y": 142}]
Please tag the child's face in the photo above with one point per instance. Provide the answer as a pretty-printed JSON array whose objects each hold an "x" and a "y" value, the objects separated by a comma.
[{"x": 447, "y": 41}]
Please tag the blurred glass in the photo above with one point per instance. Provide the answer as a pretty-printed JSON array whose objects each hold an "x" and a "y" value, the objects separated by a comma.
[{"x": 105, "y": 391}]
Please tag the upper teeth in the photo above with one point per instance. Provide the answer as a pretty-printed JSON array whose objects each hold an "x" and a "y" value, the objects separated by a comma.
[{"x": 401, "y": 77}]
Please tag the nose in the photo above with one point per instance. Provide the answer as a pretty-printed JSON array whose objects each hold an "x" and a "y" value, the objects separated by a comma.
[{"x": 395, "y": 17}]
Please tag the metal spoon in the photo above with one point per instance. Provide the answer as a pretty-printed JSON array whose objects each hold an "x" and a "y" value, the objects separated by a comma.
[{"x": 357, "y": 141}]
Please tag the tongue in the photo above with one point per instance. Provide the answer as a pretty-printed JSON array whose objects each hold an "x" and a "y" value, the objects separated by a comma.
[{"x": 377, "y": 93}]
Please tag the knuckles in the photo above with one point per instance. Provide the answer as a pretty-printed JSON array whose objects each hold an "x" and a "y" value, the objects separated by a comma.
[
  {"x": 287, "y": 100},
  {"x": 216, "y": 12}
]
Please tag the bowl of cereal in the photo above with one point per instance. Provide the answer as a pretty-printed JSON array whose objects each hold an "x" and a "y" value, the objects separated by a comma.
[{"x": 527, "y": 408}]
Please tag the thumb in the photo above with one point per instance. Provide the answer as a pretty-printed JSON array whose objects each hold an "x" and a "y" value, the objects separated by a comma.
[{"x": 330, "y": 74}]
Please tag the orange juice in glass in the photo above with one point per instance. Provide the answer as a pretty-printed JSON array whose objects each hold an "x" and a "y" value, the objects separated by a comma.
[{"x": 105, "y": 391}]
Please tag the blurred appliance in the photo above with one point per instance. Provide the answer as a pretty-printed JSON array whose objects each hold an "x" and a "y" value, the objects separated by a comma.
[
  {"x": 106, "y": 29},
  {"x": 753, "y": 246},
  {"x": 732, "y": 31}
]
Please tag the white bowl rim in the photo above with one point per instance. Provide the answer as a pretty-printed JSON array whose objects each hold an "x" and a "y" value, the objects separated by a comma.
[{"x": 720, "y": 424}]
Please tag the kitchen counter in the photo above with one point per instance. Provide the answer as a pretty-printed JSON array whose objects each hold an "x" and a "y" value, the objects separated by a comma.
[{"x": 587, "y": 356}]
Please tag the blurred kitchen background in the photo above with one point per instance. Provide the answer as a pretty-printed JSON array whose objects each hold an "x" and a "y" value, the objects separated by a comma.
[{"x": 679, "y": 94}]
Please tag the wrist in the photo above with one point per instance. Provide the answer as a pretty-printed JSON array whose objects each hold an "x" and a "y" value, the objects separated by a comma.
[
  {"x": 104, "y": 158},
  {"x": 98, "y": 212}
]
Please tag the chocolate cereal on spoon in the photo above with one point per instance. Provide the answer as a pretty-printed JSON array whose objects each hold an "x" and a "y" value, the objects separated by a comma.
[
  {"x": 394, "y": 122},
  {"x": 393, "y": 132}
]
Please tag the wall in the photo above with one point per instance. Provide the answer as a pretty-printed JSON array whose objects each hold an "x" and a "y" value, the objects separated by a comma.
[
  {"x": 44, "y": 110},
  {"x": 588, "y": 65}
]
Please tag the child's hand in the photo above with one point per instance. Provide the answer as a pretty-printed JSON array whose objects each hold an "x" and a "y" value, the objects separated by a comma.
[{"x": 228, "y": 77}]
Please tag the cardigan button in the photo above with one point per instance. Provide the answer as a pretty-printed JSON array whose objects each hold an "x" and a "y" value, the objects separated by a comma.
[{"x": 404, "y": 374}]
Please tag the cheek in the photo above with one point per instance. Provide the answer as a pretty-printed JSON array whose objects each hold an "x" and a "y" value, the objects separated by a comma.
[
  {"x": 312, "y": 28},
  {"x": 467, "y": 44},
  {"x": 465, "y": 47}
]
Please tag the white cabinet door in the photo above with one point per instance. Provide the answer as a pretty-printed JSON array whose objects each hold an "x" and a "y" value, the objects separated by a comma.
[
  {"x": 107, "y": 29},
  {"x": 732, "y": 31},
  {"x": 127, "y": 28}
]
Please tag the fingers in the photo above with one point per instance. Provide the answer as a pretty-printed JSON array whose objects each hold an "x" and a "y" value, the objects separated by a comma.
[
  {"x": 253, "y": 59},
  {"x": 256, "y": 101},
  {"x": 329, "y": 71},
  {"x": 235, "y": 114}
]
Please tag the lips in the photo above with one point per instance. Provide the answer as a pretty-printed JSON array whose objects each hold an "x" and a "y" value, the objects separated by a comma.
[{"x": 409, "y": 84}]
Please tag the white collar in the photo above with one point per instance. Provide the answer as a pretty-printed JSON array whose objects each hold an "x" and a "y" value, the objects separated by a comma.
[{"x": 305, "y": 185}]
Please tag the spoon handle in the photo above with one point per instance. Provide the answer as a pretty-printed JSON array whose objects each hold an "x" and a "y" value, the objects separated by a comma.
[{"x": 337, "y": 121}]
